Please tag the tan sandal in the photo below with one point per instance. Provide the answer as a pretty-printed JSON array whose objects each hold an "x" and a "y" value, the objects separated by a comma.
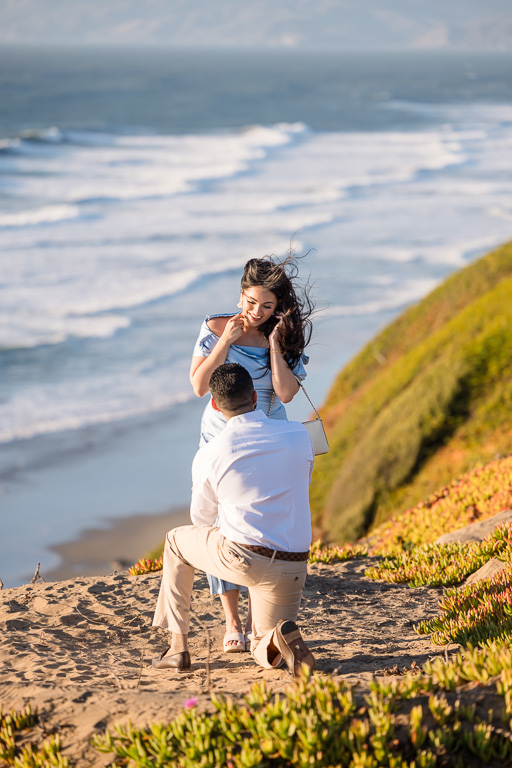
[{"x": 234, "y": 642}]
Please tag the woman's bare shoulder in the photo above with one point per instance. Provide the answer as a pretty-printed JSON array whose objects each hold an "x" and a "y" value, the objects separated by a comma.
[{"x": 216, "y": 324}]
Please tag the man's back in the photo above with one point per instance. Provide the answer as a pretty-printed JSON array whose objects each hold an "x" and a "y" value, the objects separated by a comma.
[{"x": 256, "y": 475}]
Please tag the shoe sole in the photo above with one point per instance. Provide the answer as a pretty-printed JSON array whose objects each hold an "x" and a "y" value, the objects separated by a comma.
[{"x": 293, "y": 649}]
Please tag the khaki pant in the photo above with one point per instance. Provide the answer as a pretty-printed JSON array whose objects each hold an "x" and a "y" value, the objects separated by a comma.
[{"x": 275, "y": 586}]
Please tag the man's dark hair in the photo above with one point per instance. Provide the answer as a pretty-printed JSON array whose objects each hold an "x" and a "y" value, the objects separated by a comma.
[{"x": 231, "y": 386}]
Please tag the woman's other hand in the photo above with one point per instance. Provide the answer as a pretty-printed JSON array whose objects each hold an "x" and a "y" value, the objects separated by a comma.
[
  {"x": 275, "y": 335},
  {"x": 283, "y": 379}
]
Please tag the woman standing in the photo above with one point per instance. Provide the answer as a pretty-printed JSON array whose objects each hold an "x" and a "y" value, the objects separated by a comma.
[{"x": 267, "y": 337}]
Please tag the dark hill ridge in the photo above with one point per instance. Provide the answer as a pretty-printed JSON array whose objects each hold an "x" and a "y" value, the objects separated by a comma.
[{"x": 428, "y": 398}]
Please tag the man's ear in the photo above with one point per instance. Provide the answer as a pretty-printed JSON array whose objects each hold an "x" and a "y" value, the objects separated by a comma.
[
  {"x": 215, "y": 406},
  {"x": 254, "y": 398}
]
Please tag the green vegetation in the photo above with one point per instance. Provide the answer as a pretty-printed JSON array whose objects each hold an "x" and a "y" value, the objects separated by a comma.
[
  {"x": 413, "y": 722},
  {"x": 146, "y": 565},
  {"x": 430, "y": 565},
  {"x": 477, "y": 612},
  {"x": 20, "y": 746},
  {"x": 477, "y": 495},
  {"x": 438, "y": 565},
  {"x": 437, "y": 717},
  {"x": 474, "y": 614},
  {"x": 428, "y": 399},
  {"x": 330, "y": 553}
]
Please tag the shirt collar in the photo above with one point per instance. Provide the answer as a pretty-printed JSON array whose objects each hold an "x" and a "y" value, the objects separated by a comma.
[{"x": 250, "y": 416}]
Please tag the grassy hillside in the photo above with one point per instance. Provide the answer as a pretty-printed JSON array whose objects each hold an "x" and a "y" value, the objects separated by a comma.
[{"x": 427, "y": 399}]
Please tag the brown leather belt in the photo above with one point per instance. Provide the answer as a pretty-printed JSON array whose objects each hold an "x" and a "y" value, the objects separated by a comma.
[{"x": 278, "y": 554}]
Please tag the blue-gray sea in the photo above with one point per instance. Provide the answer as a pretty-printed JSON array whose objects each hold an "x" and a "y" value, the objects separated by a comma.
[{"x": 135, "y": 184}]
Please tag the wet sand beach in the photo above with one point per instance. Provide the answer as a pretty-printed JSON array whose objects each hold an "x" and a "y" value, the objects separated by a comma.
[{"x": 100, "y": 551}]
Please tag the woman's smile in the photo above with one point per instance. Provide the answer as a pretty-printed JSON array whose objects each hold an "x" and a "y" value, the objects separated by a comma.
[{"x": 258, "y": 305}]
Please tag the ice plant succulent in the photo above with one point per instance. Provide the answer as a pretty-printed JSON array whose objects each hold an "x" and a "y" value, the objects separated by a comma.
[
  {"x": 473, "y": 614},
  {"x": 331, "y": 553},
  {"x": 443, "y": 564},
  {"x": 20, "y": 746},
  {"x": 477, "y": 495},
  {"x": 146, "y": 565},
  {"x": 417, "y": 721}
]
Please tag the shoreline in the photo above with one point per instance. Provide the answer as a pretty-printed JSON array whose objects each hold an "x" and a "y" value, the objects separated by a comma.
[
  {"x": 101, "y": 551},
  {"x": 56, "y": 489}
]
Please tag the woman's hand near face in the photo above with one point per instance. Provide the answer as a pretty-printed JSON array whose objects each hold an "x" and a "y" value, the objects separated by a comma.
[
  {"x": 202, "y": 368},
  {"x": 233, "y": 329}
]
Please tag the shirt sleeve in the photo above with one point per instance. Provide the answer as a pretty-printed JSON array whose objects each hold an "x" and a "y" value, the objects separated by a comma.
[
  {"x": 204, "y": 504},
  {"x": 299, "y": 369},
  {"x": 205, "y": 342}
]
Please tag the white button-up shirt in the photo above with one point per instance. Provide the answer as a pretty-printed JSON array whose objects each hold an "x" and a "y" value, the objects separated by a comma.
[{"x": 255, "y": 477}]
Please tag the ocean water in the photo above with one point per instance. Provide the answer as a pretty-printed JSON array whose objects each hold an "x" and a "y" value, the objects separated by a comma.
[{"x": 133, "y": 188}]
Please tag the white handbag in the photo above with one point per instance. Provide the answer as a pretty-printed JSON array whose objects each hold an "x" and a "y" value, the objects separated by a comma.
[
  {"x": 315, "y": 427},
  {"x": 316, "y": 431}
]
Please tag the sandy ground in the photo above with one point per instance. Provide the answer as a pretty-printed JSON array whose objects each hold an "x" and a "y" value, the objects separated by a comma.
[{"x": 80, "y": 650}]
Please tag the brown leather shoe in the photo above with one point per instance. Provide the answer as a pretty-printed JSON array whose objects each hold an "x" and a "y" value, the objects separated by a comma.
[
  {"x": 179, "y": 661},
  {"x": 292, "y": 647}
]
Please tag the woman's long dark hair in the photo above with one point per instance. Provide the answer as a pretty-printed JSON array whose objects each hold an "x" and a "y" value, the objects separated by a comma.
[{"x": 280, "y": 277}]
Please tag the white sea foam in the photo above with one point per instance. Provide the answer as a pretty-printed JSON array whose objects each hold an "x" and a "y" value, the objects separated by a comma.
[
  {"x": 60, "y": 407},
  {"x": 48, "y": 214},
  {"x": 501, "y": 213},
  {"x": 52, "y": 313},
  {"x": 137, "y": 288},
  {"x": 139, "y": 167},
  {"x": 31, "y": 330},
  {"x": 120, "y": 245},
  {"x": 395, "y": 298}
]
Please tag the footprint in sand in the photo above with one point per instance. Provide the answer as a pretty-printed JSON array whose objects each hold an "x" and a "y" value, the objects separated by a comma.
[
  {"x": 16, "y": 624},
  {"x": 101, "y": 587},
  {"x": 72, "y": 620}
]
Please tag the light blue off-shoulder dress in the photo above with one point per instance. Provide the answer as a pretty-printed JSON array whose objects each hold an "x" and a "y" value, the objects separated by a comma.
[{"x": 255, "y": 360}]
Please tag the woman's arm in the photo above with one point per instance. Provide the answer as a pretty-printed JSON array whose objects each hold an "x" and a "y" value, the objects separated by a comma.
[
  {"x": 283, "y": 379},
  {"x": 202, "y": 368}
]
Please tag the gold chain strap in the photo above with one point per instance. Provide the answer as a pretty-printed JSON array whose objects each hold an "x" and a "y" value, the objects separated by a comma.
[{"x": 301, "y": 385}]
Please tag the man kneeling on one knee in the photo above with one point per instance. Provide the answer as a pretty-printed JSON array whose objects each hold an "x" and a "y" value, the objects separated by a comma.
[{"x": 255, "y": 477}]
